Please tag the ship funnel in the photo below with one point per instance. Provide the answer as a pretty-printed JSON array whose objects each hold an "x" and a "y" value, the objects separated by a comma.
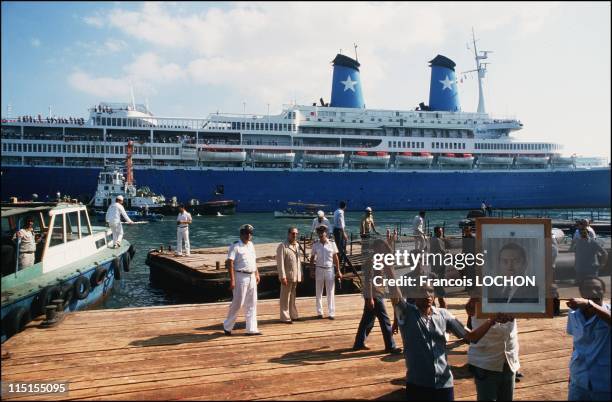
[
  {"x": 443, "y": 94},
  {"x": 346, "y": 83}
]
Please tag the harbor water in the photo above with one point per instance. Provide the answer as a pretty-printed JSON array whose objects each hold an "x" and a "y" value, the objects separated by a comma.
[{"x": 135, "y": 290}]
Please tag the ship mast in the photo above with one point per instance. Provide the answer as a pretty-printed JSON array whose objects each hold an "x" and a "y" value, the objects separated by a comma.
[
  {"x": 481, "y": 70},
  {"x": 128, "y": 163}
]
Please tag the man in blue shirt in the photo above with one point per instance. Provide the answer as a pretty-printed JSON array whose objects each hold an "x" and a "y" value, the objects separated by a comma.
[
  {"x": 589, "y": 324},
  {"x": 423, "y": 327}
]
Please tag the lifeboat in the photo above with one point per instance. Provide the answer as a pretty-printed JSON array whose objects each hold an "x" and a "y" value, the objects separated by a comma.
[
  {"x": 269, "y": 156},
  {"x": 538, "y": 160},
  {"x": 559, "y": 161},
  {"x": 506, "y": 160},
  {"x": 378, "y": 158},
  {"x": 410, "y": 158},
  {"x": 335, "y": 158},
  {"x": 209, "y": 155},
  {"x": 458, "y": 160}
]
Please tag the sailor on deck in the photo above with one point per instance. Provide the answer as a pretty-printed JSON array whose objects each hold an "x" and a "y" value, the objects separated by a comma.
[
  {"x": 325, "y": 257},
  {"x": 113, "y": 219},
  {"x": 183, "y": 220},
  {"x": 319, "y": 220},
  {"x": 244, "y": 277}
]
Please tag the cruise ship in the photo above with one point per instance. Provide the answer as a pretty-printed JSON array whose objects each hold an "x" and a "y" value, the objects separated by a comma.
[{"x": 435, "y": 156}]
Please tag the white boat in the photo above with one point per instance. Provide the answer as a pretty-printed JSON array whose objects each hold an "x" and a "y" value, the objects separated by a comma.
[
  {"x": 532, "y": 160},
  {"x": 559, "y": 160},
  {"x": 72, "y": 262},
  {"x": 458, "y": 160},
  {"x": 112, "y": 182},
  {"x": 380, "y": 158},
  {"x": 222, "y": 156},
  {"x": 495, "y": 160},
  {"x": 334, "y": 158},
  {"x": 277, "y": 157},
  {"x": 408, "y": 158}
]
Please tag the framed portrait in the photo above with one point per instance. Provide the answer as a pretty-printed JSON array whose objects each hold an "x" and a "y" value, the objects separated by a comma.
[{"x": 517, "y": 272}]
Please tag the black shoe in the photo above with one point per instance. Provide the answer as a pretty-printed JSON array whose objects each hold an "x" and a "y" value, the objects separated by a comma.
[
  {"x": 320, "y": 316},
  {"x": 519, "y": 375},
  {"x": 394, "y": 351},
  {"x": 253, "y": 333},
  {"x": 331, "y": 318},
  {"x": 226, "y": 332},
  {"x": 363, "y": 347}
]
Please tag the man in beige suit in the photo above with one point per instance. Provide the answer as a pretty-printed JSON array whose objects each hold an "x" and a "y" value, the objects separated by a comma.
[{"x": 289, "y": 274}]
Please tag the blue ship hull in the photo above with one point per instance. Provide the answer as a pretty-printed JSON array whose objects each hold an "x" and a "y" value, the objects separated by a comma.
[{"x": 268, "y": 190}]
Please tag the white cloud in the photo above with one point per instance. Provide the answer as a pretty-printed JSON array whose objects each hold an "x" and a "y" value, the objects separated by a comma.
[
  {"x": 148, "y": 67},
  {"x": 102, "y": 87},
  {"x": 35, "y": 42},
  {"x": 94, "y": 20},
  {"x": 115, "y": 45}
]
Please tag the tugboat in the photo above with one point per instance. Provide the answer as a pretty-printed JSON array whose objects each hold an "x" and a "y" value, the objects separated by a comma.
[
  {"x": 112, "y": 182},
  {"x": 73, "y": 266}
]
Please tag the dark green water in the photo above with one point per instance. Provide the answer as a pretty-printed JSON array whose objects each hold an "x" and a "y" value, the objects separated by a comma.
[{"x": 134, "y": 290}]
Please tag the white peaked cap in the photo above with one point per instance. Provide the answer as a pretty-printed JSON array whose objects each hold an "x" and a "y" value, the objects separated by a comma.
[
  {"x": 320, "y": 214},
  {"x": 119, "y": 197}
]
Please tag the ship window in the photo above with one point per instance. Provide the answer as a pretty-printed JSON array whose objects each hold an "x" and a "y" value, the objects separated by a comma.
[
  {"x": 389, "y": 144},
  {"x": 57, "y": 232},
  {"x": 72, "y": 226}
]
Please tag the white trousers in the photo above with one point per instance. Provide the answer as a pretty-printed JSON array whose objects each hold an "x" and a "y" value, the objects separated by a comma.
[
  {"x": 244, "y": 294},
  {"x": 117, "y": 229},
  {"x": 327, "y": 278},
  {"x": 26, "y": 260},
  {"x": 182, "y": 235}
]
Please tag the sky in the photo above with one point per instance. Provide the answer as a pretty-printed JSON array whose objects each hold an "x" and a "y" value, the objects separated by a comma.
[{"x": 550, "y": 65}]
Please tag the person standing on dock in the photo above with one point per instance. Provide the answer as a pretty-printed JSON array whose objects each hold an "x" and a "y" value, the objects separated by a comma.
[
  {"x": 374, "y": 303},
  {"x": 588, "y": 323},
  {"x": 244, "y": 278},
  {"x": 320, "y": 219},
  {"x": 589, "y": 256},
  {"x": 367, "y": 224},
  {"x": 113, "y": 219},
  {"x": 288, "y": 263},
  {"x": 418, "y": 231},
  {"x": 340, "y": 236},
  {"x": 325, "y": 257},
  {"x": 437, "y": 246},
  {"x": 183, "y": 221}
]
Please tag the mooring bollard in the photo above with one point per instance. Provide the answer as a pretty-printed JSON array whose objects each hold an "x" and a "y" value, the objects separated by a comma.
[
  {"x": 217, "y": 265},
  {"x": 51, "y": 313},
  {"x": 59, "y": 304}
]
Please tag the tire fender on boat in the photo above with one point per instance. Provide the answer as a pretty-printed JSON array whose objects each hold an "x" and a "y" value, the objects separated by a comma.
[
  {"x": 131, "y": 251},
  {"x": 117, "y": 267},
  {"x": 16, "y": 321},
  {"x": 126, "y": 262},
  {"x": 82, "y": 287},
  {"x": 98, "y": 276}
]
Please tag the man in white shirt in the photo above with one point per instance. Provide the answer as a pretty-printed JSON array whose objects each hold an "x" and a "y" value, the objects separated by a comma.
[
  {"x": 340, "y": 236},
  {"x": 183, "y": 220},
  {"x": 418, "y": 231},
  {"x": 494, "y": 359},
  {"x": 27, "y": 244},
  {"x": 113, "y": 219},
  {"x": 320, "y": 219},
  {"x": 244, "y": 277},
  {"x": 325, "y": 257}
]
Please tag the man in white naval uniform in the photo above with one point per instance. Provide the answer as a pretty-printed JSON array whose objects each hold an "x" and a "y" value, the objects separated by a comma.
[
  {"x": 325, "y": 257},
  {"x": 244, "y": 277},
  {"x": 183, "y": 220},
  {"x": 320, "y": 219},
  {"x": 113, "y": 218}
]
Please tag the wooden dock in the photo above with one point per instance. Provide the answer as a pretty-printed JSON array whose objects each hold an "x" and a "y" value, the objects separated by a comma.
[{"x": 180, "y": 352}]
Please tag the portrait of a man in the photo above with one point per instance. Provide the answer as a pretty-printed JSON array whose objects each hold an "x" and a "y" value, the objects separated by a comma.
[{"x": 512, "y": 262}]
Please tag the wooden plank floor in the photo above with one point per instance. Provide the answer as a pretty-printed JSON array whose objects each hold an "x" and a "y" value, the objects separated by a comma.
[{"x": 180, "y": 352}]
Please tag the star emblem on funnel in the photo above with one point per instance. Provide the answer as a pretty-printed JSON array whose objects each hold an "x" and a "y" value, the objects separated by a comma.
[
  {"x": 349, "y": 84},
  {"x": 446, "y": 83}
]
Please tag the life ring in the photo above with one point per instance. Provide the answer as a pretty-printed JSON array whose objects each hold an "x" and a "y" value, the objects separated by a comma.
[
  {"x": 16, "y": 321},
  {"x": 126, "y": 262},
  {"x": 98, "y": 276},
  {"x": 44, "y": 298},
  {"x": 81, "y": 288},
  {"x": 117, "y": 267}
]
